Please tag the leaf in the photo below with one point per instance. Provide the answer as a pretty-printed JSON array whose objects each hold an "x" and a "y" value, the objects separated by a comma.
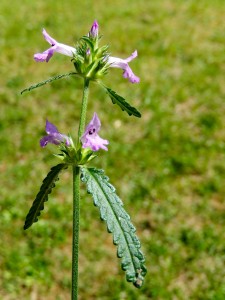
[
  {"x": 32, "y": 87},
  {"x": 46, "y": 188},
  {"x": 117, "y": 99},
  {"x": 118, "y": 223}
]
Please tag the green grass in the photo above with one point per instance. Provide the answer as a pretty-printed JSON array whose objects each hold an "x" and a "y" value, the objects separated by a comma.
[{"x": 168, "y": 166}]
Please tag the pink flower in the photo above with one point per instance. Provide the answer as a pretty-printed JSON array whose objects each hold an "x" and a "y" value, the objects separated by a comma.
[
  {"x": 55, "y": 47},
  {"x": 116, "y": 62},
  {"x": 91, "y": 139},
  {"x": 53, "y": 136},
  {"x": 93, "y": 33}
]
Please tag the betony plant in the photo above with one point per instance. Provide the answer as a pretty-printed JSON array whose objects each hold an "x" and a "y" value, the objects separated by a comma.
[{"x": 91, "y": 63}]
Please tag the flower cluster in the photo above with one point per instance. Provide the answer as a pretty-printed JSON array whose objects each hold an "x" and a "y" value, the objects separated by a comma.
[
  {"x": 101, "y": 58},
  {"x": 92, "y": 62},
  {"x": 90, "y": 139}
]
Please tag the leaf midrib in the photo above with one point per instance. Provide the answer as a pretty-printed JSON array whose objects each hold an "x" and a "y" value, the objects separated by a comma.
[{"x": 121, "y": 229}]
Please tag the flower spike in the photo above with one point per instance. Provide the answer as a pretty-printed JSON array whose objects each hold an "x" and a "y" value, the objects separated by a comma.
[
  {"x": 53, "y": 136},
  {"x": 91, "y": 139},
  {"x": 116, "y": 62},
  {"x": 55, "y": 47}
]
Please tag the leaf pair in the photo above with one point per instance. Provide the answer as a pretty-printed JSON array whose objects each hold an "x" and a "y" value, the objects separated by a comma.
[
  {"x": 116, "y": 99},
  {"x": 111, "y": 211}
]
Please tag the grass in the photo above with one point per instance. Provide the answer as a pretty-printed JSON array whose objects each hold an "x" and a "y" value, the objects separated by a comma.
[{"x": 168, "y": 166}]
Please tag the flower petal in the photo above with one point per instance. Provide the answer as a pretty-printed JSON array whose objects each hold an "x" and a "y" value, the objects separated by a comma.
[
  {"x": 128, "y": 73},
  {"x": 133, "y": 55},
  {"x": 64, "y": 49},
  {"x": 116, "y": 62},
  {"x": 50, "y": 128},
  {"x": 48, "y": 38},
  {"x": 95, "y": 122},
  {"x": 95, "y": 143},
  {"x": 40, "y": 57},
  {"x": 49, "y": 139}
]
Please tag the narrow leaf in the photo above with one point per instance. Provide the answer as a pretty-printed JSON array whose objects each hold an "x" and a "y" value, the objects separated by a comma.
[
  {"x": 46, "y": 188},
  {"x": 117, "y": 99},
  {"x": 118, "y": 223},
  {"x": 32, "y": 87}
]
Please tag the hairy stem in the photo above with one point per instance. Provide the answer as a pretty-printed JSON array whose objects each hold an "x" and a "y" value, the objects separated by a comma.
[
  {"x": 76, "y": 197},
  {"x": 83, "y": 108},
  {"x": 75, "y": 245}
]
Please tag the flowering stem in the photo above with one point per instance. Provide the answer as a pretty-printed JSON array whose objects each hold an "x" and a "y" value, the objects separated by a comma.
[
  {"x": 75, "y": 246},
  {"x": 83, "y": 108},
  {"x": 76, "y": 197}
]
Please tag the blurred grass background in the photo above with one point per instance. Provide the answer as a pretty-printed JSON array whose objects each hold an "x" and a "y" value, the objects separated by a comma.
[{"x": 168, "y": 166}]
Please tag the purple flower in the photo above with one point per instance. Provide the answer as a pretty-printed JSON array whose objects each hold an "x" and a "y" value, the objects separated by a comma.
[
  {"x": 93, "y": 33},
  {"x": 91, "y": 139},
  {"x": 55, "y": 47},
  {"x": 116, "y": 62},
  {"x": 54, "y": 136}
]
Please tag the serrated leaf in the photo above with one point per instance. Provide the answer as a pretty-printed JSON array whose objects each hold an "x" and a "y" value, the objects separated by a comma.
[
  {"x": 119, "y": 100},
  {"x": 46, "y": 188},
  {"x": 32, "y": 87},
  {"x": 118, "y": 223}
]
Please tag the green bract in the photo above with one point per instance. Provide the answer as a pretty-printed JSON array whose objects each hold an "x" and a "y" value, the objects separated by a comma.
[
  {"x": 75, "y": 156},
  {"x": 90, "y": 61}
]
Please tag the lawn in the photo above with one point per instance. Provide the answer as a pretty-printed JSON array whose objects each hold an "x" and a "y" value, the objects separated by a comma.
[{"x": 168, "y": 167}]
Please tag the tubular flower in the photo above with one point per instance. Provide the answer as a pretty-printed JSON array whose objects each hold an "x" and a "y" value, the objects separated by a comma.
[
  {"x": 116, "y": 62},
  {"x": 91, "y": 139},
  {"x": 93, "y": 33},
  {"x": 55, "y": 47},
  {"x": 53, "y": 136}
]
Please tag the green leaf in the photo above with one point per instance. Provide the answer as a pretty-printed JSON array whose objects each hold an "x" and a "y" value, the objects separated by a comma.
[
  {"x": 118, "y": 223},
  {"x": 46, "y": 188},
  {"x": 117, "y": 99},
  {"x": 32, "y": 87}
]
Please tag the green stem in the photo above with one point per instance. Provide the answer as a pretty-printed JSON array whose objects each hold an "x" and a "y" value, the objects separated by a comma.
[
  {"x": 76, "y": 197},
  {"x": 76, "y": 215},
  {"x": 83, "y": 108}
]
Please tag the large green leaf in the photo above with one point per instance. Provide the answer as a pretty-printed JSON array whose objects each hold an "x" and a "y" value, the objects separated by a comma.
[
  {"x": 32, "y": 87},
  {"x": 118, "y": 223},
  {"x": 46, "y": 188},
  {"x": 117, "y": 99}
]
